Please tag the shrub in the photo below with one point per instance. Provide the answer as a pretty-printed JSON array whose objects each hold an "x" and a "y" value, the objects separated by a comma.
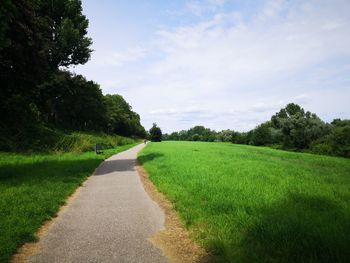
[{"x": 155, "y": 133}]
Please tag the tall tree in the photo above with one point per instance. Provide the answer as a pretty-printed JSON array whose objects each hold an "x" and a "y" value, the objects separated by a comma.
[
  {"x": 65, "y": 30},
  {"x": 299, "y": 128},
  {"x": 22, "y": 63},
  {"x": 120, "y": 117},
  {"x": 155, "y": 133},
  {"x": 72, "y": 102}
]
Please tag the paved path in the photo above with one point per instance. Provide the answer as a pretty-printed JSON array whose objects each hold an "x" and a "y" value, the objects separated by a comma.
[{"x": 109, "y": 221}]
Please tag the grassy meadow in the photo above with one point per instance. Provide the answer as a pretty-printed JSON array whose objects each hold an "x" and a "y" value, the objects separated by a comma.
[
  {"x": 256, "y": 204},
  {"x": 33, "y": 187}
]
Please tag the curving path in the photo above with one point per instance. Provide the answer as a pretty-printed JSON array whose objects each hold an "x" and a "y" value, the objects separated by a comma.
[{"x": 110, "y": 220}]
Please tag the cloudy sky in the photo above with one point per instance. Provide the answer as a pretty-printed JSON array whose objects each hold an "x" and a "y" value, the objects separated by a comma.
[{"x": 224, "y": 64}]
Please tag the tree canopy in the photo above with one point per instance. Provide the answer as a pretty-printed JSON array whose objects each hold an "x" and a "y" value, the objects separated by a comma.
[
  {"x": 299, "y": 128},
  {"x": 64, "y": 29},
  {"x": 155, "y": 133},
  {"x": 39, "y": 40},
  {"x": 120, "y": 117}
]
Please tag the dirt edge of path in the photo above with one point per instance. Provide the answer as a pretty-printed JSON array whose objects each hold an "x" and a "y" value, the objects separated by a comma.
[
  {"x": 174, "y": 240},
  {"x": 29, "y": 249}
]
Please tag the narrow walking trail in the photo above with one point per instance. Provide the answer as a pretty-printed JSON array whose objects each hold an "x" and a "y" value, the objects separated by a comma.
[{"x": 109, "y": 221}]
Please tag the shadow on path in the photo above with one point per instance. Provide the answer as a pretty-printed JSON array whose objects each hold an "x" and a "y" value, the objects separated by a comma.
[{"x": 111, "y": 166}]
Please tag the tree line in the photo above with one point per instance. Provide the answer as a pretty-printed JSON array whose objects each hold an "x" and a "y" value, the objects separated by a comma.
[
  {"x": 292, "y": 128},
  {"x": 39, "y": 41}
]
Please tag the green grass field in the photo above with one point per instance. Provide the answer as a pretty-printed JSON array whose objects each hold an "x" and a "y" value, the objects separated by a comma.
[
  {"x": 255, "y": 204},
  {"x": 33, "y": 187}
]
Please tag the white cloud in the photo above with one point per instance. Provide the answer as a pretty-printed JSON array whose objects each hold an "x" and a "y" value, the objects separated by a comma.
[
  {"x": 194, "y": 7},
  {"x": 234, "y": 72},
  {"x": 275, "y": 56},
  {"x": 198, "y": 7},
  {"x": 119, "y": 58}
]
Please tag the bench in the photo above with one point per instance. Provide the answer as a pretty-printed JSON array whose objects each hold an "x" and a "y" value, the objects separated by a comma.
[{"x": 98, "y": 148}]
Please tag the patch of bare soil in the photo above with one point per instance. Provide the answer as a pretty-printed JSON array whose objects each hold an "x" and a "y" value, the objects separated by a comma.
[
  {"x": 29, "y": 249},
  {"x": 174, "y": 240}
]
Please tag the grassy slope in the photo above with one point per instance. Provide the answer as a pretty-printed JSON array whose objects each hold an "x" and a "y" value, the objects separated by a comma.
[
  {"x": 84, "y": 141},
  {"x": 33, "y": 187},
  {"x": 44, "y": 139},
  {"x": 252, "y": 204}
]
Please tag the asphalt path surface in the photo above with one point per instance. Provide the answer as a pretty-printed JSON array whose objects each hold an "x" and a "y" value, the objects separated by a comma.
[{"x": 110, "y": 220}]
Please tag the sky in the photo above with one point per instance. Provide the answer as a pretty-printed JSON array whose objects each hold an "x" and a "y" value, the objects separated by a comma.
[{"x": 224, "y": 64}]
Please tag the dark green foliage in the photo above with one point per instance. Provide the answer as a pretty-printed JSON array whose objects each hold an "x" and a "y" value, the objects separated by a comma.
[
  {"x": 197, "y": 137},
  {"x": 155, "y": 133},
  {"x": 22, "y": 65},
  {"x": 37, "y": 39},
  {"x": 201, "y": 134},
  {"x": 262, "y": 135},
  {"x": 224, "y": 136},
  {"x": 299, "y": 128},
  {"x": 6, "y": 15},
  {"x": 64, "y": 28},
  {"x": 71, "y": 102},
  {"x": 120, "y": 117},
  {"x": 174, "y": 136},
  {"x": 240, "y": 138},
  {"x": 337, "y": 142},
  {"x": 197, "y": 133}
]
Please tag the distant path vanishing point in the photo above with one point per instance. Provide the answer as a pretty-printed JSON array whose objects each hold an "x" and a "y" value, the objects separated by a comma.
[{"x": 110, "y": 220}]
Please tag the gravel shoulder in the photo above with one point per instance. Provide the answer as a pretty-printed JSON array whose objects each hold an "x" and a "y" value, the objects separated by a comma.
[{"x": 174, "y": 240}]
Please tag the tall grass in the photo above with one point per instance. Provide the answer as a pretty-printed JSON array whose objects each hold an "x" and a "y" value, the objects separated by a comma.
[
  {"x": 33, "y": 187},
  {"x": 43, "y": 139},
  {"x": 256, "y": 204},
  {"x": 83, "y": 142}
]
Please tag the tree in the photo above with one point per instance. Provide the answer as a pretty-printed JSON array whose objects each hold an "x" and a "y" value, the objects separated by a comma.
[
  {"x": 36, "y": 38},
  {"x": 39, "y": 39},
  {"x": 196, "y": 137},
  {"x": 262, "y": 134},
  {"x": 339, "y": 140},
  {"x": 299, "y": 128},
  {"x": 65, "y": 31},
  {"x": 174, "y": 136},
  {"x": 120, "y": 117},
  {"x": 71, "y": 102},
  {"x": 335, "y": 143},
  {"x": 155, "y": 133},
  {"x": 238, "y": 138},
  {"x": 23, "y": 64},
  {"x": 204, "y": 134},
  {"x": 224, "y": 136}
]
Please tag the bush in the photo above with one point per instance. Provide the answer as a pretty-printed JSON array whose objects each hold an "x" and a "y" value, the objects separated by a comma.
[
  {"x": 340, "y": 141},
  {"x": 337, "y": 143},
  {"x": 155, "y": 133}
]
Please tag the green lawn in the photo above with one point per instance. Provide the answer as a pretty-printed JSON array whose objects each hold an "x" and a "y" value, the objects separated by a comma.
[
  {"x": 33, "y": 187},
  {"x": 255, "y": 204}
]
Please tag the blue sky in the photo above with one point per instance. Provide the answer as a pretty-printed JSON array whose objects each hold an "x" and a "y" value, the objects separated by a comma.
[{"x": 224, "y": 64}]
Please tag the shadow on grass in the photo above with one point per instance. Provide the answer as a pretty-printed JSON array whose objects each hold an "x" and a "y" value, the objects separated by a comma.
[
  {"x": 300, "y": 229},
  {"x": 144, "y": 158},
  {"x": 31, "y": 193},
  {"x": 46, "y": 170}
]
